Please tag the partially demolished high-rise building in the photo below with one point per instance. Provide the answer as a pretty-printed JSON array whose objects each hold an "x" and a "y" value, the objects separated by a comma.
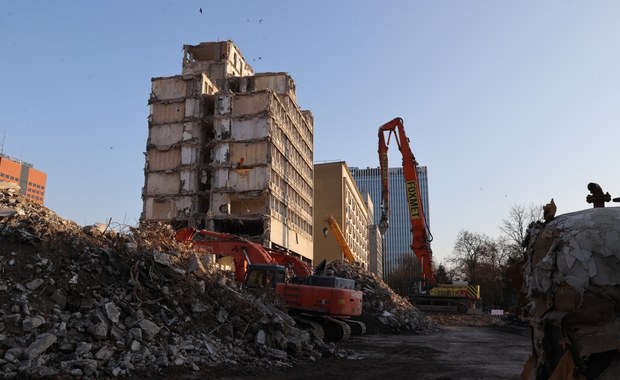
[{"x": 230, "y": 151}]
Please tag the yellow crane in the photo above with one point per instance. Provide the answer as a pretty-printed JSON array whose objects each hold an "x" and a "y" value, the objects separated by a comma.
[{"x": 342, "y": 242}]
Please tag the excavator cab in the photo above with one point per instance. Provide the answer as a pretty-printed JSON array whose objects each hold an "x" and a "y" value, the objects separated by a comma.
[{"x": 264, "y": 276}]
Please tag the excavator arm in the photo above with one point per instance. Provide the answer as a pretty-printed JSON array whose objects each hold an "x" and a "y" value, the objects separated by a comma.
[
  {"x": 342, "y": 242},
  {"x": 242, "y": 251},
  {"x": 300, "y": 268},
  {"x": 419, "y": 228}
]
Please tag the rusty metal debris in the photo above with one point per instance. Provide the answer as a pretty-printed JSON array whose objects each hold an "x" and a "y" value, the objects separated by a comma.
[{"x": 549, "y": 211}]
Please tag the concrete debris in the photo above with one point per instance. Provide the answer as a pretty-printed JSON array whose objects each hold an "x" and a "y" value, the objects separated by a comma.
[
  {"x": 40, "y": 345},
  {"x": 473, "y": 319},
  {"x": 573, "y": 282},
  {"x": 383, "y": 310},
  {"x": 93, "y": 302}
]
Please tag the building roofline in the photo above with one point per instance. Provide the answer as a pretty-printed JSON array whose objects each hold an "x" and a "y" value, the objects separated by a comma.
[{"x": 27, "y": 164}]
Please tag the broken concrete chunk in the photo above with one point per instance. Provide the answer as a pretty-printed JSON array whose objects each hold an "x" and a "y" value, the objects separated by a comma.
[
  {"x": 135, "y": 346},
  {"x": 261, "y": 337},
  {"x": 136, "y": 333},
  {"x": 195, "y": 264},
  {"x": 32, "y": 285},
  {"x": 222, "y": 315},
  {"x": 99, "y": 330},
  {"x": 7, "y": 211},
  {"x": 60, "y": 299},
  {"x": 199, "y": 307},
  {"x": 83, "y": 348},
  {"x": 162, "y": 258},
  {"x": 112, "y": 312},
  {"x": 149, "y": 329},
  {"x": 30, "y": 324},
  {"x": 40, "y": 345}
]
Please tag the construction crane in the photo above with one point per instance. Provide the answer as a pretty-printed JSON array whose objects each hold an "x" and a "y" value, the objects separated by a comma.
[{"x": 342, "y": 242}]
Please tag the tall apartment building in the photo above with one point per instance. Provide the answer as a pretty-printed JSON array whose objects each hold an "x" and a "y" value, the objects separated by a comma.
[
  {"x": 336, "y": 194},
  {"x": 30, "y": 180},
  {"x": 397, "y": 241},
  {"x": 229, "y": 150}
]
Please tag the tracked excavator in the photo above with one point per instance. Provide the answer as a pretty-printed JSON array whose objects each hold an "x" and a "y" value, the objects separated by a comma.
[
  {"x": 429, "y": 296},
  {"x": 324, "y": 304}
]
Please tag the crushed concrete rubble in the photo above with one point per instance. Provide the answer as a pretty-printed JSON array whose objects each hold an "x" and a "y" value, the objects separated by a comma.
[
  {"x": 92, "y": 302},
  {"x": 573, "y": 282},
  {"x": 383, "y": 310},
  {"x": 473, "y": 319}
]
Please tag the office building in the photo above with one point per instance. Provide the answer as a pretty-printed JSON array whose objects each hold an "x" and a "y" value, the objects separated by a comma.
[
  {"x": 336, "y": 194},
  {"x": 31, "y": 181},
  {"x": 397, "y": 241}
]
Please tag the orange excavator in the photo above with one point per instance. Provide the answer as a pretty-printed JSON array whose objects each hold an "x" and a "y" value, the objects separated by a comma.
[
  {"x": 325, "y": 304},
  {"x": 440, "y": 297}
]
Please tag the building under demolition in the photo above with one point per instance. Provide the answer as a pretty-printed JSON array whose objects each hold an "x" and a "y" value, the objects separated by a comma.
[{"x": 230, "y": 151}]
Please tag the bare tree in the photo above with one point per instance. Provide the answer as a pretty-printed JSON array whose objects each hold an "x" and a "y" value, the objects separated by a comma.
[
  {"x": 406, "y": 278},
  {"x": 470, "y": 250},
  {"x": 441, "y": 275},
  {"x": 515, "y": 227},
  {"x": 505, "y": 249}
]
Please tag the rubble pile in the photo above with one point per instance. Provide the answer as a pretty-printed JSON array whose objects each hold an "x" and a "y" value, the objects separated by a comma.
[
  {"x": 573, "y": 282},
  {"x": 383, "y": 310},
  {"x": 474, "y": 319},
  {"x": 92, "y": 302}
]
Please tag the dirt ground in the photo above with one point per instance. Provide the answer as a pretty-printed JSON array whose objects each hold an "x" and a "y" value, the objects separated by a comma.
[{"x": 458, "y": 352}]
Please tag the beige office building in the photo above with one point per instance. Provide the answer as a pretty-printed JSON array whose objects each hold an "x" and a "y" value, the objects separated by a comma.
[{"x": 336, "y": 194}]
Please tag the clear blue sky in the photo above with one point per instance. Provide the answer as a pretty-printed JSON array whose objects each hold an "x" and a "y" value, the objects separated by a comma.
[{"x": 505, "y": 102}]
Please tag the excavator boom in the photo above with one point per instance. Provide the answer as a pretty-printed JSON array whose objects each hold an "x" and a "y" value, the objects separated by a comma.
[
  {"x": 421, "y": 236},
  {"x": 243, "y": 252},
  {"x": 342, "y": 242}
]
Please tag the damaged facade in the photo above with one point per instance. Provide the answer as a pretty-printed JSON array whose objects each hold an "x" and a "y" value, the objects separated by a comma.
[{"x": 230, "y": 151}]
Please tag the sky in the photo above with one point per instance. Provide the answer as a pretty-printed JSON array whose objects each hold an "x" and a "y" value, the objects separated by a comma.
[{"x": 506, "y": 102}]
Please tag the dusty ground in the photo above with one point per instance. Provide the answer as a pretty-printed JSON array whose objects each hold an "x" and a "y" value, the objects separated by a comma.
[{"x": 458, "y": 352}]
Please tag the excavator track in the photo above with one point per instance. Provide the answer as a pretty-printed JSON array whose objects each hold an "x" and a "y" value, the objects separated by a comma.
[
  {"x": 357, "y": 327},
  {"x": 326, "y": 328},
  {"x": 308, "y": 324},
  {"x": 335, "y": 329}
]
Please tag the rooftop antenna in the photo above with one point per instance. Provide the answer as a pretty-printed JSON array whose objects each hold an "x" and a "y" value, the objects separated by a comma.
[{"x": 3, "y": 138}]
